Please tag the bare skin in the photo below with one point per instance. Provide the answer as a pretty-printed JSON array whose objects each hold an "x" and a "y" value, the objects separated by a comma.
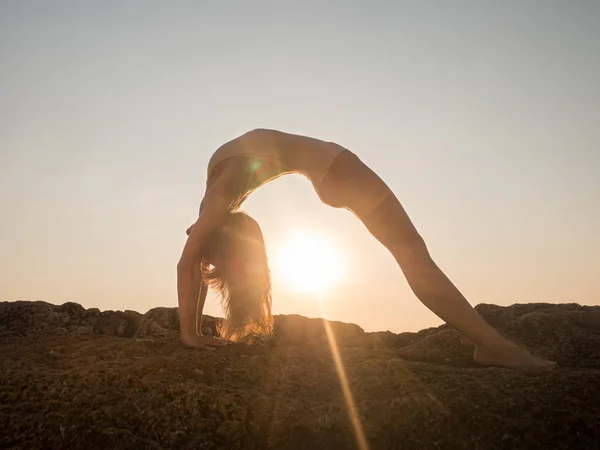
[
  {"x": 190, "y": 290},
  {"x": 195, "y": 339},
  {"x": 352, "y": 185}
]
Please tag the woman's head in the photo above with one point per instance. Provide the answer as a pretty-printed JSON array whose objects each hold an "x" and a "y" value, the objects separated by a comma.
[{"x": 240, "y": 272}]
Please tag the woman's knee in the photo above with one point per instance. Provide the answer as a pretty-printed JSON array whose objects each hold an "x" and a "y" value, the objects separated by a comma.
[{"x": 412, "y": 252}]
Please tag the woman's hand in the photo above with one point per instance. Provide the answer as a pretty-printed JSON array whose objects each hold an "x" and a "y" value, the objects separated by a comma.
[{"x": 204, "y": 342}]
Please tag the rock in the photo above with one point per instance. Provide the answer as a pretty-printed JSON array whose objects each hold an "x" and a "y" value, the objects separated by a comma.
[
  {"x": 296, "y": 329},
  {"x": 134, "y": 316},
  {"x": 442, "y": 345},
  {"x": 565, "y": 333},
  {"x": 24, "y": 318},
  {"x": 81, "y": 329},
  {"x": 21, "y": 318},
  {"x": 167, "y": 318},
  {"x": 407, "y": 390},
  {"x": 163, "y": 322},
  {"x": 159, "y": 323},
  {"x": 115, "y": 324}
]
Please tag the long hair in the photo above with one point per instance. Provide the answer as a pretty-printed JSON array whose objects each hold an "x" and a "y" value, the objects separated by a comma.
[{"x": 239, "y": 271}]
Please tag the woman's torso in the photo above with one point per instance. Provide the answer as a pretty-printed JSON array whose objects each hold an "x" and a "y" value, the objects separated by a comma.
[{"x": 270, "y": 154}]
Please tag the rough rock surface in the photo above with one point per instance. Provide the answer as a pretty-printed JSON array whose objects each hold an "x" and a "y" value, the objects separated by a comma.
[{"x": 80, "y": 378}]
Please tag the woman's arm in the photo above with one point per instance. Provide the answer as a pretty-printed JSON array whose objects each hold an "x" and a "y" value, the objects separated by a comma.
[
  {"x": 188, "y": 274},
  {"x": 215, "y": 207},
  {"x": 201, "y": 296}
]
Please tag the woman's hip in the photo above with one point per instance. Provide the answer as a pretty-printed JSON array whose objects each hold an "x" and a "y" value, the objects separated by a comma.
[{"x": 350, "y": 183}]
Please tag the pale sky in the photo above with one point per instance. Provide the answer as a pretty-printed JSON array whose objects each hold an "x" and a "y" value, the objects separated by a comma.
[{"x": 482, "y": 116}]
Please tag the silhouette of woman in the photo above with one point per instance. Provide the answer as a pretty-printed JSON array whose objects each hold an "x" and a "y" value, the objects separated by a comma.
[{"x": 225, "y": 248}]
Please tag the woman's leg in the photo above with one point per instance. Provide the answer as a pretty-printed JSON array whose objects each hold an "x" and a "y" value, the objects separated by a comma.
[{"x": 353, "y": 185}]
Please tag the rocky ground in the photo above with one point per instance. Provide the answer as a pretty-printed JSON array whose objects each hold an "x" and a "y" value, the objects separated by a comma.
[{"x": 76, "y": 378}]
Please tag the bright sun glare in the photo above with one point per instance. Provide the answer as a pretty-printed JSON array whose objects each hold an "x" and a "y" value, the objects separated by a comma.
[{"x": 308, "y": 263}]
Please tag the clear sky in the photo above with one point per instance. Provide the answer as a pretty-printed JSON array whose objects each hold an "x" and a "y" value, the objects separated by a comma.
[{"x": 482, "y": 116}]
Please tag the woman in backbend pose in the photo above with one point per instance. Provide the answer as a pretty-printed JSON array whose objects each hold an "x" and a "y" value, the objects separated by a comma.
[{"x": 225, "y": 248}]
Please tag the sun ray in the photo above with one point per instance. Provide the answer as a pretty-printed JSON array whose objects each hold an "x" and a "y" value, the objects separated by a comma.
[
  {"x": 359, "y": 434},
  {"x": 310, "y": 263}
]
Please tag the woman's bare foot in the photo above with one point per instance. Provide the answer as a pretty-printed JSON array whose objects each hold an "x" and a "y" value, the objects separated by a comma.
[{"x": 507, "y": 354}]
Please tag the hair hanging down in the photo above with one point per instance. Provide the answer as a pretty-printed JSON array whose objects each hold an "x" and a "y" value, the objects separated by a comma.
[{"x": 240, "y": 273}]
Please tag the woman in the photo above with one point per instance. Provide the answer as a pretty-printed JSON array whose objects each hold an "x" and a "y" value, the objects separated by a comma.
[{"x": 232, "y": 243}]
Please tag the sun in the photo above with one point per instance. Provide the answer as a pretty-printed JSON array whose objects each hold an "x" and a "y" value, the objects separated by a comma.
[{"x": 308, "y": 263}]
